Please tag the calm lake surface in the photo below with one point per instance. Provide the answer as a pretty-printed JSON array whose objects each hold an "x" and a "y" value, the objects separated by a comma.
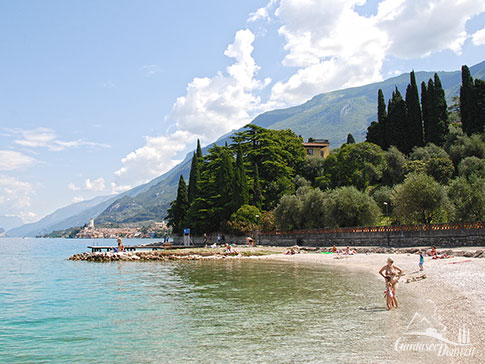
[{"x": 236, "y": 311}]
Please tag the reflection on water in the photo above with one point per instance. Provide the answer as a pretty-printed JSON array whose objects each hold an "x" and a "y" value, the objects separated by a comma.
[{"x": 236, "y": 311}]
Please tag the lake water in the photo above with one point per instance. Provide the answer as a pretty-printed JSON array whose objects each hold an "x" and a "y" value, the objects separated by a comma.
[{"x": 236, "y": 311}]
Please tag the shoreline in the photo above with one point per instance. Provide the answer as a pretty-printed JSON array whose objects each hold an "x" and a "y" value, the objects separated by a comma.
[{"x": 454, "y": 288}]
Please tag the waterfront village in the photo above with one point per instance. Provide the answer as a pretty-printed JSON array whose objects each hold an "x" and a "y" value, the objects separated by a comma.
[{"x": 153, "y": 230}]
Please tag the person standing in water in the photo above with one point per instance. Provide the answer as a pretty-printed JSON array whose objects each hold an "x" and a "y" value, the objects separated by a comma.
[
  {"x": 121, "y": 247},
  {"x": 392, "y": 275}
]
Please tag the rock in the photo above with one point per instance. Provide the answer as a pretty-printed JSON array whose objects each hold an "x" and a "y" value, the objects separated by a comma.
[{"x": 478, "y": 254}]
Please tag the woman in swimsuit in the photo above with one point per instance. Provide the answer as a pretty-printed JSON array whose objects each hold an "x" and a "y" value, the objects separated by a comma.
[{"x": 392, "y": 275}]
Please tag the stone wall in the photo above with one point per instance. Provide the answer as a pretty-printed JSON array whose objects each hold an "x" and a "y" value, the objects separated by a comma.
[{"x": 441, "y": 235}]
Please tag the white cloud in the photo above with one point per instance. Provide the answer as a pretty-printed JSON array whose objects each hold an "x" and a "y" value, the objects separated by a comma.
[
  {"x": 262, "y": 13},
  {"x": 157, "y": 156},
  {"x": 479, "y": 37},
  {"x": 117, "y": 188},
  {"x": 211, "y": 107},
  {"x": 73, "y": 187},
  {"x": 10, "y": 160},
  {"x": 416, "y": 28},
  {"x": 334, "y": 47},
  {"x": 15, "y": 197},
  {"x": 217, "y": 105},
  {"x": 150, "y": 70},
  {"x": 97, "y": 185},
  {"x": 78, "y": 199},
  {"x": 47, "y": 138}
]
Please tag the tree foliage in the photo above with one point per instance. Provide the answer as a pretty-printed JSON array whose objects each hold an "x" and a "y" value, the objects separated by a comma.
[
  {"x": 420, "y": 199},
  {"x": 177, "y": 213},
  {"x": 468, "y": 197}
]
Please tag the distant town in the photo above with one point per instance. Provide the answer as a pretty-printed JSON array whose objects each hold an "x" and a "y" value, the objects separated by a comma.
[{"x": 153, "y": 229}]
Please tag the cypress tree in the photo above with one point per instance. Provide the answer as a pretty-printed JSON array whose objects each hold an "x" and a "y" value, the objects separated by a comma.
[
  {"x": 225, "y": 184},
  {"x": 479, "y": 101},
  {"x": 199, "y": 150},
  {"x": 376, "y": 130},
  {"x": 350, "y": 139},
  {"x": 396, "y": 123},
  {"x": 415, "y": 121},
  {"x": 177, "y": 212},
  {"x": 428, "y": 112},
  {"x": 194, "y": 179},
  {"x": 441, "y": 109},
  {"x": 466, "y": 100},
  {"x": 381, "y": 131},
  {"x": 425, "y": 111},
  {"x": 435, "y": 112},
  {"x": 241, "y": 189},
  {"x": 381, "y": 107}
]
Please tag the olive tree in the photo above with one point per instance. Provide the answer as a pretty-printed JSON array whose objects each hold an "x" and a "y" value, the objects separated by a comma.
[
  {"x": 347, "y": 206},
  {"x": 420, "y": 199}
]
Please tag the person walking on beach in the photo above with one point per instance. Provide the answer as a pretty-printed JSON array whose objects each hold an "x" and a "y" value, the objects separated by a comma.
[
  {"x": 421, "y": 260},
  {"x": 392, "y": 275}
]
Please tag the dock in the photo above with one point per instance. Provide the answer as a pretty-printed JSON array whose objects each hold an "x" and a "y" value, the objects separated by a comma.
[{"x": 133, "y": 248}]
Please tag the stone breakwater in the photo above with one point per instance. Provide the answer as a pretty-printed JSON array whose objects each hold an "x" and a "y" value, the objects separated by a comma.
[
  {"x": 150, "y": 256},
  {"x": 254, "y": 252}
]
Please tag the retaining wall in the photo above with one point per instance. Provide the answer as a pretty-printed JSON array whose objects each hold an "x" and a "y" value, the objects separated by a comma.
[{"x": 442, "y": 235}]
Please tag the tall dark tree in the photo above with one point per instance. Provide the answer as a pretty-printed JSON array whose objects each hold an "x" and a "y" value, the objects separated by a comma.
[
  {"x": 350, "y": 139},
  {"x": 479, "y": 93},
  {"x": 396, "y": 123},
  {"x": 257, "y": 199},
  {"x": 177, "y": 213},
  {"x": 199, "y": 150},
  {"x": 241, "y": 189},
  {"x": 376, "y": 132},
  {"x": 224, "y": 182},
  {"x": 425, "y": 106},
  {"x": 435, "y": 112},
  {"x": 466, "y": 100},
  {"x": 279, "y": 155},
  {"x": 472, "y": 103},
  {"x": 194, "y": 179},
  {"x": 415, "y": 120}
]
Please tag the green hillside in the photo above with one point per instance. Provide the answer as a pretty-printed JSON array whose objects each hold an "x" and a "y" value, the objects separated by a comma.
[
  {"x": 330, "y": 115},
  {"x": 334, "y": 114}
]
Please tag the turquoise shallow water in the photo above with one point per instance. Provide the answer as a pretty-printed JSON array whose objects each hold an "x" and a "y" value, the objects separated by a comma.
[{"x": 53, "y": 310}]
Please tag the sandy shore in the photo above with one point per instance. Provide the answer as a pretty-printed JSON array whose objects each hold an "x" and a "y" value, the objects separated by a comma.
[{"x": 454, "y": 286}]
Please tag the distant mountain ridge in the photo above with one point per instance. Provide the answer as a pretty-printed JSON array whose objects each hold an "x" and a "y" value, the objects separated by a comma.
[{"x": 330, "y": 115}]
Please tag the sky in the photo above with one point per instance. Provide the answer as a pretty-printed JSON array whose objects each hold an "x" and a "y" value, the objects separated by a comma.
[{"x": 97, "y": 97}]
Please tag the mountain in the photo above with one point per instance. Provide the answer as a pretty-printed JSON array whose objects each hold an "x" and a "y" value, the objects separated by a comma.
[
  {"x": 76, "y": 214},
  {"x": 334, "y": 114},
  {"x": 330, "y": 115},
  {"x": 10, "y": 222}
]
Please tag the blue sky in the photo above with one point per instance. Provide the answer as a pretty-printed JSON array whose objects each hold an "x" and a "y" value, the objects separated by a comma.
[{"x": 100, "y": 96}]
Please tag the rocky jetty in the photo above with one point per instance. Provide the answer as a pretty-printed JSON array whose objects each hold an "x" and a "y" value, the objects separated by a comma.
[
  {"x": 216, "y": 254},
  {"x": 150, "y": 256}
]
